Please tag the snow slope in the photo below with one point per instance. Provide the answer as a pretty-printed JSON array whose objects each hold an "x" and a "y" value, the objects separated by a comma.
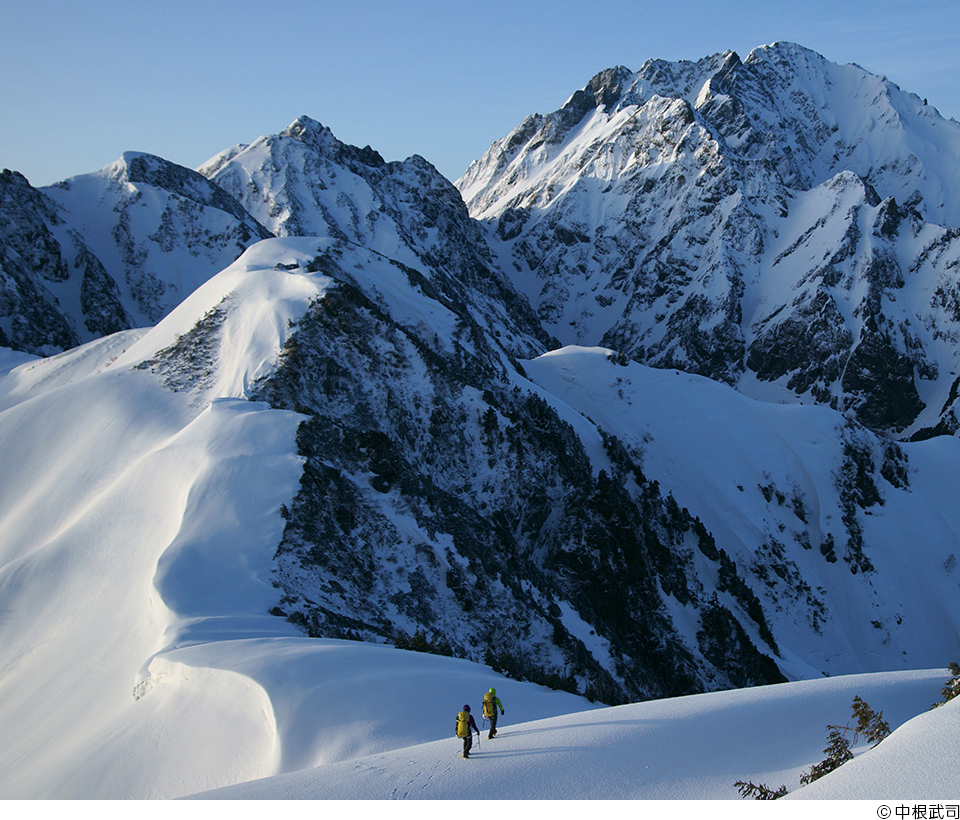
[
  {"x": 140, "y": 510},
  {"x": 139, "y": 515},
  {"x": 725, "y": 457},
  {"x": 688, "y": 748},
  {"x": 119, "y": 539}
]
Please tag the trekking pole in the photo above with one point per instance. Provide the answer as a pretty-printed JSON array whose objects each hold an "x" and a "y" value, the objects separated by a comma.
[{"x": 478, "y": 740}]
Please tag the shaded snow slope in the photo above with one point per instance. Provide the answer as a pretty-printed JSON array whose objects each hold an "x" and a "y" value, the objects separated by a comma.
[
  {"x": 847, "y": 584},
  {"x": 917, "y": 762},
  {"x": 134, "y": 518},
  {"x": 140, "y": 510},
  {"x": 685, "y": 748},
  {"x": 144, "y": 496}
]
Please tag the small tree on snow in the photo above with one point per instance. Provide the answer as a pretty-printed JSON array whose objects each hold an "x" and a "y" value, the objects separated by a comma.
[
  {"x": 952, "y": 687},
  {"x": 837, "y": 753},
  {"x": 870, "y": 725},
  {"x": 759, "y": 792}
]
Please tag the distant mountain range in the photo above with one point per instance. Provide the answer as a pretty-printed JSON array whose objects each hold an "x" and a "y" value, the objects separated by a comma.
[{"x": 658, "y": 398}]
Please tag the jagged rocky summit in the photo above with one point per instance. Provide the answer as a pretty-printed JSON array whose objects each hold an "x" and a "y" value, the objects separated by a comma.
[
  {"x": 490, "y": 467},
  {"x": 781, "y": 223}
]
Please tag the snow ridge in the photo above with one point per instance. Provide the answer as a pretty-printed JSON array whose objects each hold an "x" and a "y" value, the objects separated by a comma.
[{"x": 342, "y": 429}]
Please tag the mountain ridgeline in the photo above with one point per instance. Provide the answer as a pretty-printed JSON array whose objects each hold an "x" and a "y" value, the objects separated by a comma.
[
  {"x": 442, "y": 495},
  {"x": 782, "y": 224},
  {"x": 768, "y": 252}
]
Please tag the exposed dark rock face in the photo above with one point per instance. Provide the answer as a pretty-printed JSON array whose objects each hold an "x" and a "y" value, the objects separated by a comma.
[
  {"x": 879, "y": 384},
  {"x": 743, "y": 220},
  {"x": 31, "y": 260},
  {"x": 513, "y": 528},
  {"x": 810, "y": 347},
  {"x": 100, "y": 300}
]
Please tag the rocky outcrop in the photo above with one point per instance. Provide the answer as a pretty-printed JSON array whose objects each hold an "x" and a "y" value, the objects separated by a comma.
[
  {"x": 443, "y": 497},
  {"x": 109, "y": 251},
  {"x": 777, "y": 223},
  {"x": 32, "y": 262}
]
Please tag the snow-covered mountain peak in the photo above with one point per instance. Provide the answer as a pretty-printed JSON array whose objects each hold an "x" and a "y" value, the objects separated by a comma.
[
  {"x": 308, "y": 129},
  {"x": 361, "y": 431},
  {"x": 148, "y": 232},
  {"x": 605, "y": 90},
  {"x": 321, "y": 139},
  {"x": 647, "y": 215},
  {"x": 787, "y": 51},
  {"x": 110, "y": 250},
  {"x": 783, "y": 95},
  {"x": 306, "y": 182},
  {"x": 141, "y": 170}
]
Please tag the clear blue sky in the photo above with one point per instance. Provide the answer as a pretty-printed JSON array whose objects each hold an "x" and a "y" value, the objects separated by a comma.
[{"x": 84, "y": 81}]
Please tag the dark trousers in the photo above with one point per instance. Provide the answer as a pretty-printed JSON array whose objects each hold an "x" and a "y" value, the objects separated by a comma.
[
  {"x": 467, "y": 745},
  {"x": 493, "y": 724}
]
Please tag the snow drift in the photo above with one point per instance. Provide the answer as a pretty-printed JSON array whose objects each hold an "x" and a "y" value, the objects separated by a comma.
[
  {"x": 365, "y": 432},
  {"x": 142, "y": 498}
]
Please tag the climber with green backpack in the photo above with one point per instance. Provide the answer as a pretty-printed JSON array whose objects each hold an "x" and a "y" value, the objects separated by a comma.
[
  {"x": 490, "y": 705},
  {"x": 466, "y": 726}
]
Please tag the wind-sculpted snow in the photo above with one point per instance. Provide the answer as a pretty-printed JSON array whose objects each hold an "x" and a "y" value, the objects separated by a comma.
[
  {"x": 220, "y": 533},
  {"x": 320, "y": 434},
  {"x": 135, "y": 519},
  {"x": 692, "y": 748}
]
